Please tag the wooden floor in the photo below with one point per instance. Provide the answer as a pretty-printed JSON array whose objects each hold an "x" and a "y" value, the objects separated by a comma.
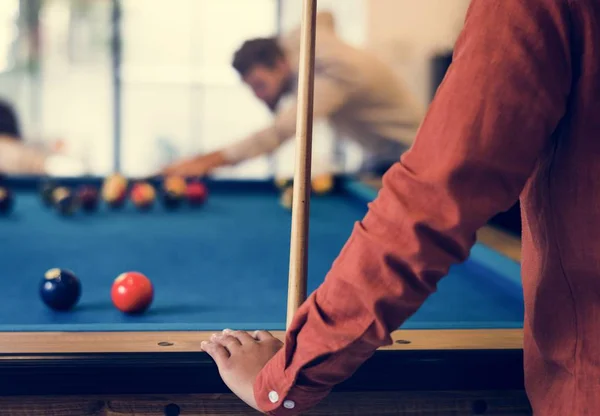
[{"x": 337, "y": 404}]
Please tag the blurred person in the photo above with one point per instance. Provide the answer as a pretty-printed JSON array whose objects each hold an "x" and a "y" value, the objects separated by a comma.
[
  {"x": 19, "y": 158},
  {"x": 360, "y": 96}
]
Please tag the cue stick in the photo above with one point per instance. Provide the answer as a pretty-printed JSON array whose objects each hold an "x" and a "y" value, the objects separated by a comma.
[{"x": 302, "y": 174}]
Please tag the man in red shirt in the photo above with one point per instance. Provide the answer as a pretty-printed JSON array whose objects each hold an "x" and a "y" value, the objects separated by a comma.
[{"x": 516, "y": 116}]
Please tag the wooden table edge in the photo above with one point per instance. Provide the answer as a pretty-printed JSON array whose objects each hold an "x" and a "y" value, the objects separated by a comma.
[{"x": 189, "y": 341}]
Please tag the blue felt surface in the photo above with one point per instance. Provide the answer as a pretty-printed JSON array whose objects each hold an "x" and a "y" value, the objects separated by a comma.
[{"x": 224, "y": 265}]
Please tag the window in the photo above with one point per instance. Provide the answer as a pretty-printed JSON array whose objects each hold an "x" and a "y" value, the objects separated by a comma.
[{"x": 180, "y": 94}]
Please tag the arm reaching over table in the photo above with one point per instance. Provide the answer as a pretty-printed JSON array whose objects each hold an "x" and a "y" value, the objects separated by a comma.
[
  {"x": 329, "y": 96},
  {"x": 18, "y": 158},
  {"x": 494, "y": 115}
]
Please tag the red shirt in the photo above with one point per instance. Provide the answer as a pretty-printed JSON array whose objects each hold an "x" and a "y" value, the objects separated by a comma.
[{"x": 518, "y": 114}]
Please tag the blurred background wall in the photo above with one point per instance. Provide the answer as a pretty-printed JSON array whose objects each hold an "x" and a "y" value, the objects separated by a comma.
[{"x": 173, "y": 93}]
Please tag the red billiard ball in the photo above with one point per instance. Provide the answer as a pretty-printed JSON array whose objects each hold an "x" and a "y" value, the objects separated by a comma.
[
  {"x": 60, "y": 289},
  {"x": 143, "y": 195},
  {"x": 88, "y": 198},
  {"x": 6, "y": 201},
  {"x": 132, "y": 292},
  {"x": 196, "y": 193}
]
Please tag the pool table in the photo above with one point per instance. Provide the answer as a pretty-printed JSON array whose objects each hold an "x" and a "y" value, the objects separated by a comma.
[{"x": 225, "y": 264}]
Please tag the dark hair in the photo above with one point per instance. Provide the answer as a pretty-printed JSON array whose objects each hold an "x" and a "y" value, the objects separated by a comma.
[
  {"x": 9, "y": 123},
  {"x": 260, "y": 51}
]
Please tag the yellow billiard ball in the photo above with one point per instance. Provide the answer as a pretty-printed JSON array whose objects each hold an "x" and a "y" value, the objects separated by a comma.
[
  {"x": 322, "y": 184},
  {"x": 287, "y": 197},
  {"x": 175, "y": 184},
  {"x": 283, "y": 183},
  {"x": 114, "y": 190}
]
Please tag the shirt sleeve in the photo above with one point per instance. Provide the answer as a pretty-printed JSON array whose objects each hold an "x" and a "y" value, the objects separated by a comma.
[
  {"x": 330, "y": 94},
  {"x": 492, "y": 120}
]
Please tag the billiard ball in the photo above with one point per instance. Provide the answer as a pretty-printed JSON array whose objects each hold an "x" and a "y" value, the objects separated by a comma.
[
  {"x": 114, "y": 191},
  {"x": 287, "y": 197},
  {"x": 6, "y": 200},
  {"x": 171, "y": 200},
  {"x": 196, "y": 193},
  {"x": 175, "y": 184},
  {"x": 132, "y": 293},
  {"x": 283, "y": 183},
  {"x": 64, "y": 201},
  {"x": 322, "y": 184},
  {"x": 60, "y": 289},
  {"x": 88, "y": 198},
  {"x": 143, "y": 195},
  {"x": 46, "y": 190}
]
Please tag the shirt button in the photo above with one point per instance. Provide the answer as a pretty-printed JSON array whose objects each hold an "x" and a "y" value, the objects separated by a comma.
[
  {"x": 273, "y": 396},
  {"x": 289, "y": 404}
]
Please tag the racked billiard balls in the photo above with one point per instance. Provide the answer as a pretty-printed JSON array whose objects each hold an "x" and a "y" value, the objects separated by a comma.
[
  {"x": 143, "y": 195},
  {"x": 6, "y": 200},
  {"x": 64, "y": 201},
  {"x": 132, "y": 293},
  {"x": 60, "y": 289},
  {"x": 196, "y": 193},
  {"x": 88, "y": 198}
]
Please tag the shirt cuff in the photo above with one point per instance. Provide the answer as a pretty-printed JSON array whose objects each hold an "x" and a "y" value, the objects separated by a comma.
[{"x": 277, "y": 394}]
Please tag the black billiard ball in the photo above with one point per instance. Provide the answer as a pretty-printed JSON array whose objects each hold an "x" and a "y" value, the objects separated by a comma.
[
  {"x": 88, "y": 198},
  {"x": 60, "y": 289},
  {"x": 46, "y": 190},
  {"x": 172, "y": 200},
  {"x": 64, "y": 201},
  {"x": 6, "y": 200}
]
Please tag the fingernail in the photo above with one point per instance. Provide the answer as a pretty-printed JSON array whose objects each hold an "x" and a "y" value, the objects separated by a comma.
[
  {"x": 203, "y": 344},
  {"x": 227, "y": 331}
]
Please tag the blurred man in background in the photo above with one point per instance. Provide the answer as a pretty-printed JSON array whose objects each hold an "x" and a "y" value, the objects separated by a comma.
[
  {"x": 359, "y": 95},
  {"x": 19, "y": 158}
]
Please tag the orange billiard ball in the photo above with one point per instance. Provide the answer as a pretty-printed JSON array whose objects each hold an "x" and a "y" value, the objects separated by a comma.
[
  {"x": 322, "y": 184},
  {"x": 132, "y": 293}
]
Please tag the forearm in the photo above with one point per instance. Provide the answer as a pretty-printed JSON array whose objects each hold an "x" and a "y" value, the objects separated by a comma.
[
  {"x": 258, "y": 144},
  {"x": 18, "y": 158},
  {"x": 330, "y": 95}
]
